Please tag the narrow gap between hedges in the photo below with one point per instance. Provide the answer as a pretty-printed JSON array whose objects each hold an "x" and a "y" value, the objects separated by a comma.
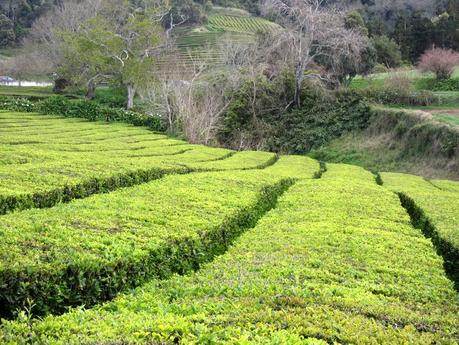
[
  {"x": 104, "y": 283},
  {"x": 95, "y": 185},
  {"x": 421, "y": 221},
  {"x": 445, "y": 249}
]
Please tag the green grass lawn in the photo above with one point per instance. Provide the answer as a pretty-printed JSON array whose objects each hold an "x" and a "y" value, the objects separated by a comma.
[
  {"x": 454, "y": 120},
  {"x": 377, "y": 79},
  {"x": 26, "y": 91}
]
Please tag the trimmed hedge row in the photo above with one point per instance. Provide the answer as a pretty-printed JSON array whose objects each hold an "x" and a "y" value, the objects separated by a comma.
[
  {"x": 45, "y": 160},
  {"x": 432, "y": 210},
  {"x": 94, "y": 185},
  {"x": 89, "y": 110},
  {"x": 337, "y": 261},
  {"x": 85, "y": 252}
]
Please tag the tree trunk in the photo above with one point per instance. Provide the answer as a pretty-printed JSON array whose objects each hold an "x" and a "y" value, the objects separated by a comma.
[
  {"x": 91, "y": 90},
  {"x": 131, "y": 94},
  {"x": 299, "y": 76}
]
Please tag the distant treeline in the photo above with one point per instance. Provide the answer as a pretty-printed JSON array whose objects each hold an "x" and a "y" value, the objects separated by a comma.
[
  {"x": 415, "y": 25},
  {"x": 17, "y": 16}
]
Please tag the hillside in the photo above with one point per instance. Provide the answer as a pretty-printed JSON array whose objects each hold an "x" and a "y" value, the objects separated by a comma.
[
  {"x": 220, "y": 246},
  {"x": 204, "y": 42}
]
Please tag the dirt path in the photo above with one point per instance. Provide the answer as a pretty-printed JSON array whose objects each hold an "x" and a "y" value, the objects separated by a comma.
[{"x": 449, "y": 112}]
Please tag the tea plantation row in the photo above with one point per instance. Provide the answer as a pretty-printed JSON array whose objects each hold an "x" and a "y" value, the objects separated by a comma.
[
  {"x": 45, "y": 160},
  {"x": 434, "y": 208},
  {"x": 337, "y": 261}
]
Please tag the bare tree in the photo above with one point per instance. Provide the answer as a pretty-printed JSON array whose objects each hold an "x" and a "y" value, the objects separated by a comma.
[{"x": 312, "y": 32}]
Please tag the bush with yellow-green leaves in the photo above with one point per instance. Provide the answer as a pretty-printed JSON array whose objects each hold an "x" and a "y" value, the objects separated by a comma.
[
  {"x": 337, "y": 261},
  {"x": 45, "y": 160}
]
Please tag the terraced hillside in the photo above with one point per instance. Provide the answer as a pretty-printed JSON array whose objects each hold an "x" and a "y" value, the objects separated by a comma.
[
  {"x": 197, "y": 245},
  {"x": 202, "y": 42}
]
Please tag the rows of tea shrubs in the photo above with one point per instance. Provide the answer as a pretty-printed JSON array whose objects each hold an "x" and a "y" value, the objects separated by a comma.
[
  {"x": 45, "y": 160},
  {"x": 337, "y": 261},
  {"x": 89, "y": 110},
  {"x": 123, "y": 238},
  {"x": 434, "y": 208}
]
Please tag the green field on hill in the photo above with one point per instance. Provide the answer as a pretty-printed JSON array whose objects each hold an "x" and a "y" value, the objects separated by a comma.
[
  {"x": 114, "y": 234},
  {"x": 203, "y": 41}
]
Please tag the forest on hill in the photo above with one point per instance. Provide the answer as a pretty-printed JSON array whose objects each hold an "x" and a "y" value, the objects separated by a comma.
[{"x": 413, "y": 24}]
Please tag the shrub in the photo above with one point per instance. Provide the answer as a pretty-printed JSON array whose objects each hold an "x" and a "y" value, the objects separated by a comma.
[
  {"x": 92, "y": 111},
  {"x": 17, "y": 104},
  {"x": 439, "y": 61},
  {"x": 388, "y": 51},
  {"x": 398, "y": 88},
  {"x": 315, "y": 124},
  {"x": 433, "y": 84}
]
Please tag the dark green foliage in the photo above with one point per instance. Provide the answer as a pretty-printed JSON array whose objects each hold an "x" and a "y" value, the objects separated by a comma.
[
  {"x": 250, "y": 118},
  {"x": 270, "y": 123},
  {"x": 16, "y": 104},
  {"x": 388, "y": 52},
  {"x": 392, "y": 96},
  {"x": 7, "y": 35},
  {"x": 21, "y": 14},
  {"x": 433, "y": 84},
  {"x": 319, "y": 121},
  {"x": 355, "y": 21},
  {"x": 90, "y": 110},
  {"x": 180, "y": 9},
  {"x": 95, "y": 112},
  {"x": 60, "y": 85}
]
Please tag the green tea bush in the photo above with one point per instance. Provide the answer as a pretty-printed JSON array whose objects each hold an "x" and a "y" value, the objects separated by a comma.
[
  {"x": 93, "y": 111},
  {"x": 312, "y": 271},
  {"x": 172, "y": 225},
  {"x": 90, "y": 110},
  {"x": 46, "y": 160},
  {"x": 433, "y": 210}
]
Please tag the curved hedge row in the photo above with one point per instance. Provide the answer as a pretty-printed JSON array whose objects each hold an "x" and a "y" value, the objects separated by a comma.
[
  {"x": 94, "y": 185},
  {"x": 432, "y": 210},
  {"x": 85, "y": 252},
  {"x": 46, "y": 160},
  {"x": 336, "y": 261}
]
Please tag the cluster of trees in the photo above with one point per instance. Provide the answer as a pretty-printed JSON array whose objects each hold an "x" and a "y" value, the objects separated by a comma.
[
  {"x": 406, "y": 34},
  {"x": 17, "y": 16}
]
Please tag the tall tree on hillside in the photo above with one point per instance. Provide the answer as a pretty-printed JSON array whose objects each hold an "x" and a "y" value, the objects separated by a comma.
[
  {"x": 312, "y": 32},
  {"x": 7, "y": 35},
  {"x": 119, "y": 44}
]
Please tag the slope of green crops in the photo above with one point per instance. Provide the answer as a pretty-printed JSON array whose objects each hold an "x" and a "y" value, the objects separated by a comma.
[
  {"x": 434, "y": 207},
  {"x": 45, "y": 160},
  {"x": 450, "y": 186},
  {"x": 120, "y": 239},
  {"x": 337, "y": 261},
  {"x": 225, "y": 23},
  {"x": 203, "y": 42}
]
